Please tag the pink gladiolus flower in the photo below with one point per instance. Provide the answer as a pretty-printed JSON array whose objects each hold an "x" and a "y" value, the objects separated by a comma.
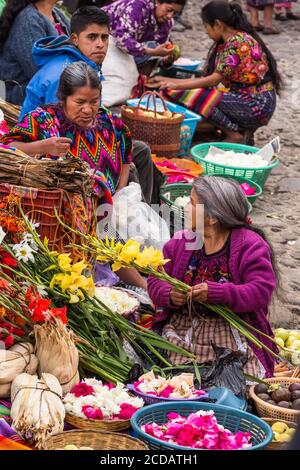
[
  {"x": 110, "y": 385},
  {"x": 82, "y": 390},
  {"x": 92, "y": 413},
  {"x": 171, "y": 416},
  {"x": 173, "y": 429},
  {"x": 187, "y": 435}
]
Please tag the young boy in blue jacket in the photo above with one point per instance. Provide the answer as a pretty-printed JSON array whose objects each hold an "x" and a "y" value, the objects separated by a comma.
[{"x": 88, "y": 42}]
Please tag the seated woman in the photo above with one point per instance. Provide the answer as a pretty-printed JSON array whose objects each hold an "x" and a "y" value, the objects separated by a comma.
[
  {"x": 137, "y": 40},
  {"x": 23, "y": 22},
  {"x": 75, "y": 127},
  {"x": 241, "y": 61},
  {"x": 233, "y": 266}
]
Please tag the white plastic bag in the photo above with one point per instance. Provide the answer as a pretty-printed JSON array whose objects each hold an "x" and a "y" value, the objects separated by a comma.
[
  {"x": 133, "y": 219},
  {"x": 120, "y": 75}
]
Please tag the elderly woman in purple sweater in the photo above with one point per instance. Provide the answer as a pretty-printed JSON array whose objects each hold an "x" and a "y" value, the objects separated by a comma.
[{"x": 232, "y": 266}]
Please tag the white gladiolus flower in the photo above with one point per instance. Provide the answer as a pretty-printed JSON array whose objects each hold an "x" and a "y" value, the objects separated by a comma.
[{"x": 23, "y": 252}]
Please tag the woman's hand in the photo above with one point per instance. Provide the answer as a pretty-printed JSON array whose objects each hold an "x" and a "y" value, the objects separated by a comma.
[
  {"x": 56, "y": 146},
  {"x": 200, "y": 292},
  {"x": 177, "y": 297},
  {"x": 160, "y": 51},
  {"x": 161, "y": 82}
]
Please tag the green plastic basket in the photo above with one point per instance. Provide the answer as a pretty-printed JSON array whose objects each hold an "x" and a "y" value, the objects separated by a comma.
[
  {"x": 174, "y": 214},
  {"x": 258, "y": 175},
  {"x": 241, "y": 180},
  {"x": 231, "y": 418}
]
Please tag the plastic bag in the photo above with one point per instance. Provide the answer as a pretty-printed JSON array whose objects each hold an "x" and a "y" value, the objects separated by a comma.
[
  {"x": 104, "y": 276},
  {"x": 227, "y": 370},
  {"x": 136, "y": 220}
]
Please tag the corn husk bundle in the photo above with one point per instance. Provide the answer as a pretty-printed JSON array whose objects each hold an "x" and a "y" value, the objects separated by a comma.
[
  {"x": 11, "y": 112},
  {"x": 57, "y": 353},
  {"x": 37, "y": 409},
  {"x": 13, "y": 362},
  {"x": 17, "y": 168}
]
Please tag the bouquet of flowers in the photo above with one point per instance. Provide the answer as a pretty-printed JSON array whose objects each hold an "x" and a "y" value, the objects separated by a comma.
[
  {"x": 177, "y": 387},
  {"x": 199, "y": 430},
  {"x": 91, "y": 399}
]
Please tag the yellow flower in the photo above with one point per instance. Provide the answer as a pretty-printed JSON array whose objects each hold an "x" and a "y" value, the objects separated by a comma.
[
  {"x": 130, "y": 251},
  {"x": 2, "y": 312},
  {"x": 150, "y": 257},
  {"x": 74, "y": 299},
  {"x": 64, "y": 262},
  {"x": 56, "y": 279},
  {"x": 78, "y": 267},
  {"x": 117, "y": 265}
]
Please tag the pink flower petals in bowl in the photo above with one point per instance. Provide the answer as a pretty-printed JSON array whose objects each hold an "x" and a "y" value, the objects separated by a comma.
[
  {"x": 199, "y": 430},
  {"x": 247, "y": 189}
]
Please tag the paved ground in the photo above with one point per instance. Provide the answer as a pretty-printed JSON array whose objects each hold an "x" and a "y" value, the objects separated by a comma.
[{"x": 278, "y": 210}]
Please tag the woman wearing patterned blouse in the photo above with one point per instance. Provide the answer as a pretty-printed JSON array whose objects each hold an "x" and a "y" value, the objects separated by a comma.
[
  {"x": 142, "y": 27},
  {"x": 76, "y": 128},
  {"x": 240, "y": 61}
]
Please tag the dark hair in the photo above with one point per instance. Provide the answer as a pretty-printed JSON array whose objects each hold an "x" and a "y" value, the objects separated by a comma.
[
  {"x": 10, "y": 12},
  {"x": 224, "y": 200},
  {"x": 178, "y": 2},
  {"x": 85, "y": 16},
  {"x": 95, "y": 3},
  {"x": 77, "y": 75},
  {"x": 232, "y": 15}
]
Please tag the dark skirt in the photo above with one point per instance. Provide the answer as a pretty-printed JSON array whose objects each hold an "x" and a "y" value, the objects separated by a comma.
[
  {"x": 230, "y": 110},
  {"x": 259, "y": 3}
]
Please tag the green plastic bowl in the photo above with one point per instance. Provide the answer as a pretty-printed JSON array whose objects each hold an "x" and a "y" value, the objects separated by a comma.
[{"x": 258, "y": 175}]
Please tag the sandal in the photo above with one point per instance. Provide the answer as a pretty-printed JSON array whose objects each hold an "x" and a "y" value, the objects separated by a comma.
[
  {"x": 269, "y": 31},
  {"x": 259, "y": 27}
]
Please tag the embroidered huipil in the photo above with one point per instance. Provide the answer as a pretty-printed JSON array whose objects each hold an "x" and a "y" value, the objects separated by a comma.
[
  {"x": 133, "y": 25},
  {"x": 106, "y": 146}
]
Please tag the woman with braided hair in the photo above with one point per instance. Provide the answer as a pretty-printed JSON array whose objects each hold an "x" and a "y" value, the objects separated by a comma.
[{"x": 241, "y": 62}]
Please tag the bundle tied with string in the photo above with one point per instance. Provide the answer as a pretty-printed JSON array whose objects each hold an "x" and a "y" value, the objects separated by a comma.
[
  {"x": 57, "y": 353},
  {"x": 13, "y": 362},
  {"x": 37, "y": 409},
  {"x": 48, "y": 187}
]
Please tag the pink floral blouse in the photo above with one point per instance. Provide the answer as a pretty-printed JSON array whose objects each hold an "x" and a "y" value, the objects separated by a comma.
[{"x": 241, "y": 61}]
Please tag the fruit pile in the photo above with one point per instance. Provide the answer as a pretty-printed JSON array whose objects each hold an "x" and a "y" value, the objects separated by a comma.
[
  {"x": 151, "y": 114},
  {"x": 277, "y": 395},
  {"x": 289, "y": 340},
  {"x": 282, "y": 432}
]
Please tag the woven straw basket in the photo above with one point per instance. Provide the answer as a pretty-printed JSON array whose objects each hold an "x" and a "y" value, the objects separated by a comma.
[
  {"x": 278, "y": 445},
  {"x": 97, "y": 424},
  {"x": 163, "y": 135},
  {"x": 97, "y": 440},
  {"x": 276, "y": 412}
]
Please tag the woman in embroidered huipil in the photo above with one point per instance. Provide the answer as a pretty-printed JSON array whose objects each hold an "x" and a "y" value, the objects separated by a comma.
[{"x": 76, "y": 128}]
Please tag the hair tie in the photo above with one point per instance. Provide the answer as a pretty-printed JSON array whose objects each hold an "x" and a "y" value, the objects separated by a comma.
[{"x": 249, "y": 221}]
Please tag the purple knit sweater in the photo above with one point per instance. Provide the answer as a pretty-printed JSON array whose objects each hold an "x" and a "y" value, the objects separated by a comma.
[{"x": 249, "y": 293}]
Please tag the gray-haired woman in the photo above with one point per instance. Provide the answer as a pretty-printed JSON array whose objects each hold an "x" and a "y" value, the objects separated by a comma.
[{"x": 233, "y": 267}]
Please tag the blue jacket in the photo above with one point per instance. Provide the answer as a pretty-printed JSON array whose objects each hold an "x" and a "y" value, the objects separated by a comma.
[{"x": 51, "y": 55}]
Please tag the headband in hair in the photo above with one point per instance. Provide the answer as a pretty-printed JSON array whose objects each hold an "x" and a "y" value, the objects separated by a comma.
[{"x": 249, "y": 221}]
